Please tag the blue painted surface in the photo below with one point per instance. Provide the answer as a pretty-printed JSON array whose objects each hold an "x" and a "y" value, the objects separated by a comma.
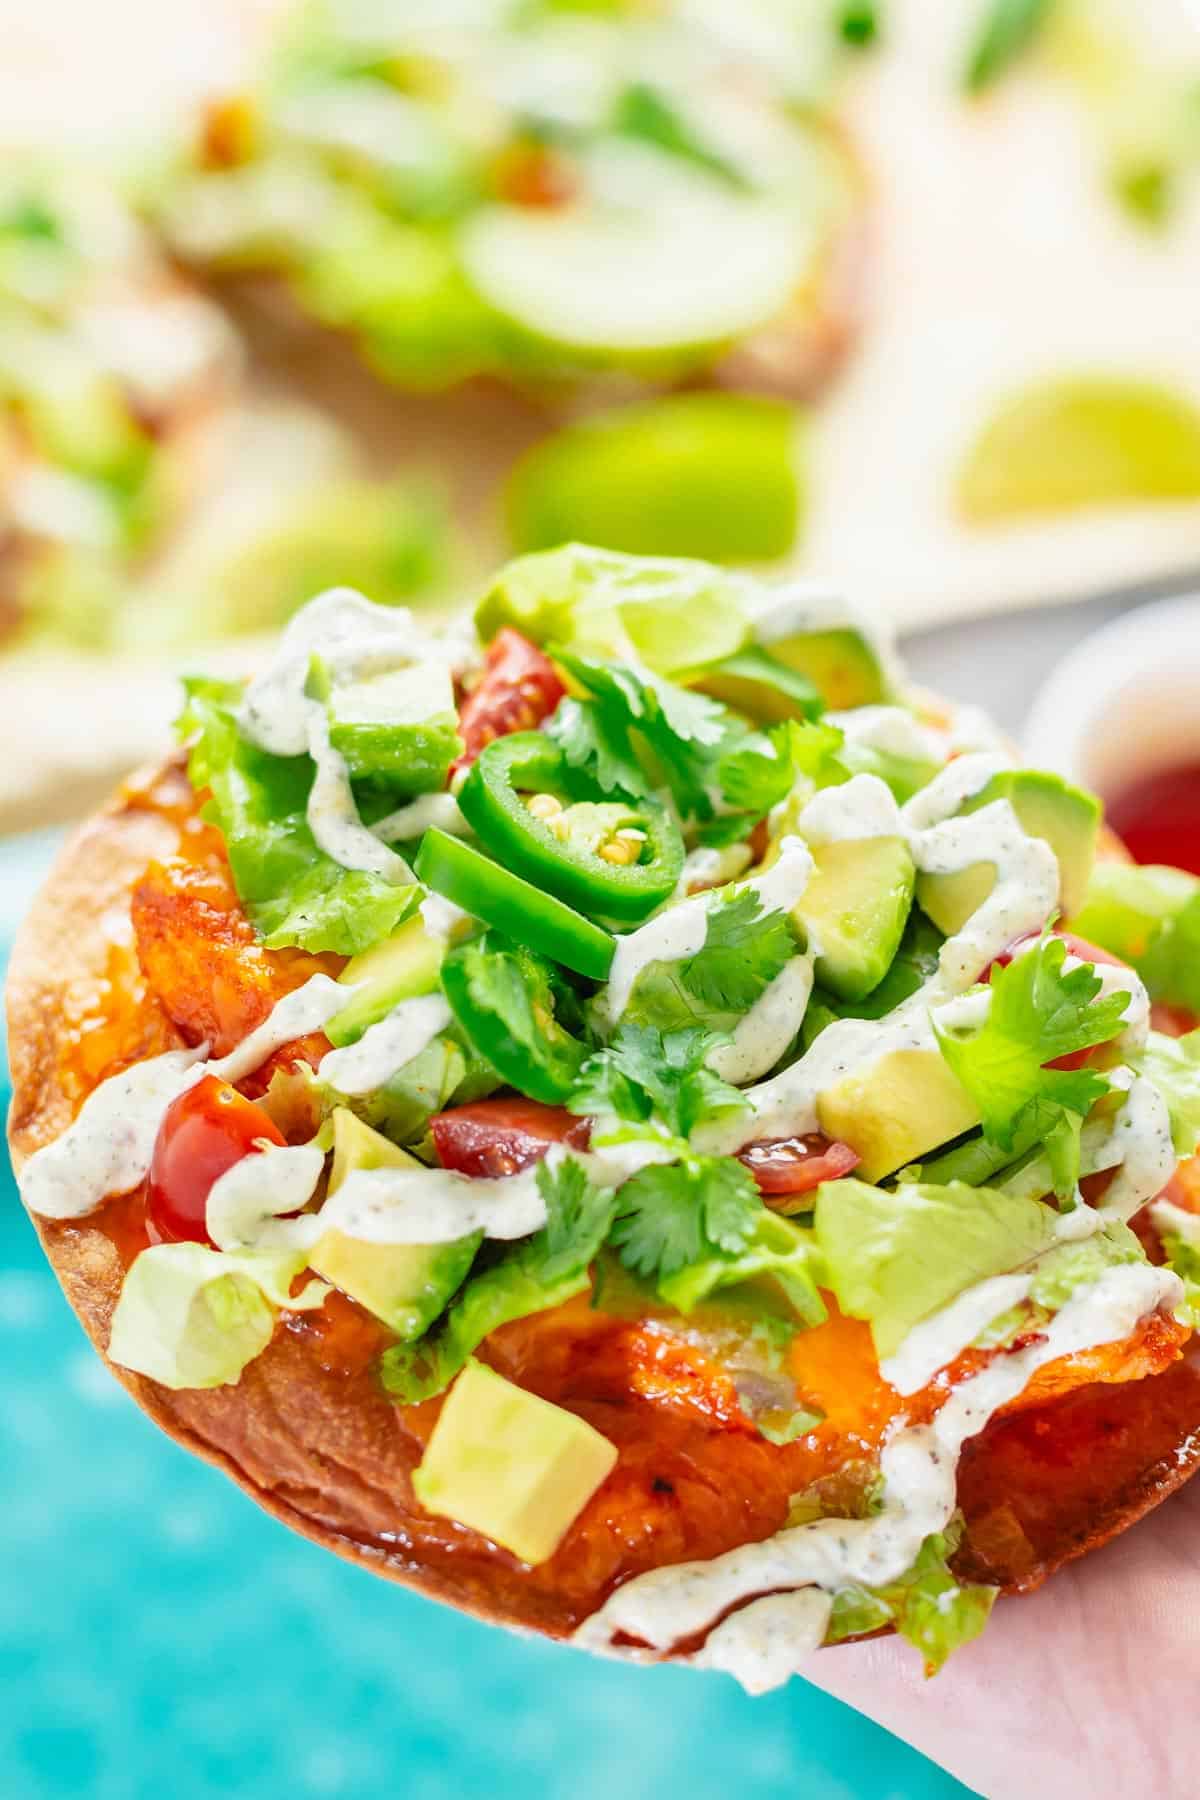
[{"x": 161, "y": 1636}]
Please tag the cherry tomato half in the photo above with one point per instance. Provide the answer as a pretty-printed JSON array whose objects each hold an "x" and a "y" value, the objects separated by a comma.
[
  {"x": 783, "y": 1167},
  {"x": 203, "y": 1133},
  {"x": 519, "y": 688},
  {"x": 501, "y": 1137}
]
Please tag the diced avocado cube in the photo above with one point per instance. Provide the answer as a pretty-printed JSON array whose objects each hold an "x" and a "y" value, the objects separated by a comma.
[
  {"x": 841, "y": 663},
  {"x": 902, "y": 1106},
  {"x": 403, "y": 965},
  {"x": 1047, "y": 807},
  {"x": 402, "y": 725},
  {"x": 759, "y": 685},
  {"x": 405, "y": 1285},
  {"x": 854, "y": 910},
  {"x": 510, "y": 1465},
  {"x": 1127, "y": 904}
]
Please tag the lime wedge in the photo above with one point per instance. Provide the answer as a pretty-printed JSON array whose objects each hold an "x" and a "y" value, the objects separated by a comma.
[
  {"x": 716, "y": 476},
  {"x": 1081, "y": 441},
  {"x": 657, "y": 257}
]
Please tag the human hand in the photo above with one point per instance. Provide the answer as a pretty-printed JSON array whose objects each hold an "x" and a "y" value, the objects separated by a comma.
[{"x": 1085, "y": 1690}]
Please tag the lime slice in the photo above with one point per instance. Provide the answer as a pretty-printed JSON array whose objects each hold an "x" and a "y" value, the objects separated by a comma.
[
  {"x": 1081, "y": 441},
  {"x": 658, "y": 257},
  {"x": 716, "y": 476}
]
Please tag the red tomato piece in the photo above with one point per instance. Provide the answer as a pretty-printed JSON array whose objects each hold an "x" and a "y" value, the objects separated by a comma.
[
  {"x": 503, "y": 1136},
  {"x": 203, "y": 1133},
  {"x": 797, "y": 1165},
  {"x": 519, "y": 688}
]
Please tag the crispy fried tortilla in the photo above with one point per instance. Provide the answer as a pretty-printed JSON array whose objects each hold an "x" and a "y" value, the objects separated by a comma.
[{"x": 1096, "y": 1442}]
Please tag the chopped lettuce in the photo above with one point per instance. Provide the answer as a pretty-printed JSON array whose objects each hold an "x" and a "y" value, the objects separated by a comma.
[
  {"x": 927, "y": 1605},
  {"x": 894, "y": 1257},
  {"x": 192, "y": 1317},
  {"x": 1183, "y": 1256},
  {"x": 293, "y": 893},
  {"x": 1173, "y": 1065},
  {"x": 744, "y": 950},
  {"x": 778, "y": 1255}
]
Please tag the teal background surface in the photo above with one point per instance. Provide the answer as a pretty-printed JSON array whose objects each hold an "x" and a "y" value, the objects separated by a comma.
[{"x": 159, "y": 1635}]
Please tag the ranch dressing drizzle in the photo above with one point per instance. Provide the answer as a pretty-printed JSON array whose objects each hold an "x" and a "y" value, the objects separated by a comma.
[
  {"x": 1143, "y": 1145},
  {"x": 863, "y": 807},
  {"x": 333, "y": 811},
  {"x": 108, "y": 1146},
  {"x": 385, "y": 1047},
  {"x": 434, "y": 1206},
  {"x": 919, "y": 1469},
  {"x": 936, "y": 1341},
  {"x": 1024, "y": 895},
  {"x": 410, "y": 821},
  {"x": 763, "y": 1645},
  {"x": 679, "y": 931},
  {"x": 892, "y": 729},
  {"x": 246, "y": 1204},
  {"x": 762, "y": 1035}
]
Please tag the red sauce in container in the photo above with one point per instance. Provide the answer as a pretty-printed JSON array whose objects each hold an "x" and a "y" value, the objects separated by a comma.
[{"x": 1158, "y": 819}]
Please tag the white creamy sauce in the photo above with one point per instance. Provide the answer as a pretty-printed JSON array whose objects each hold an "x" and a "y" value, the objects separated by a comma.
[
  {"x": 433, "y": 1206},
  {"x": 247, "y": 1205},
  {"x": 679, "y": 931},
  {"x": 763, "y": 1645},
  {"x": 1142, "y": 1144},
  {"x": 305, "y": 1009},
  {"x": 332, "y": 813},
  {"x": 1170, "y": 1220},
  {"x": 353, "y": 636},
  {"x": 893, "y": 730},
  {"x": 938, "y": 1340},
  {"x": 919, "y": 1468},
  {"x": 863, "y": 807},
  {"x": 410, "y": 821},
  {"x": 441, "y": 918},
  {"x": 385, "y": 1047},
  {"x": 709, "y": 867},
  {"x": 108, "y": 1147},
  {"x": 764, "y": 1033}
]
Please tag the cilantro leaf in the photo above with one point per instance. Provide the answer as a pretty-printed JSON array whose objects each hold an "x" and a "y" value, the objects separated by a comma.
[
  {"x": 1038, "y": 1014},
  {"x": 578, "y": 1218},
  {"x": 754, "y": 781},
  {"x": 594, "y": 738},
  {"x": 680, "y": 734},
  {"x": 671, "y": 1215},
  {"x": 645, "y": 1072},
  {"x": 744, "y": 950}
]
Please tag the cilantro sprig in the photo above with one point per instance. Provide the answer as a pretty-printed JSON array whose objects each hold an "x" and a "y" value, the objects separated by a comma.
[
  {"x": 744, "y": 949},
  {"x": 1039, "y": 1013},
  {"x": 656, "y": 1085}
]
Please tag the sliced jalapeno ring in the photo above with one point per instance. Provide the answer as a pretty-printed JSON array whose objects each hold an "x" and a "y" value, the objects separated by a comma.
[
  {"x": 612, "y": 858},
  {"x": 514, "y": 1008}
]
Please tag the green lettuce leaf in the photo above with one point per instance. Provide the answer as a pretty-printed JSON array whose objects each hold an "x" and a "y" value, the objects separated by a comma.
[
  {"x": 192, "y": 1317},
  {"x": 778, "y": 1255},
  {"x": 292, "y": 892},
  {"x": 1173, "y": 1065},
  {"x": 892, "y": 1257},
  {"x": 927, "y": 1605}
]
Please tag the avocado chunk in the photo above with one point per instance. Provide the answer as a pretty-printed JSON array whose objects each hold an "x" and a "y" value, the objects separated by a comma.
[
  {"x": 854, "y": 910},
  {"x": 756, "y": 683},
  {"x": 403, "y": 965},
  {"x": 904, "y": 1105},
  {"x": 510, "y": 1465},
  {"x": 840, "y": 662},
  {"x": 1047, "y": 807},
  {"x": 401, "y": 724},
  {"x": 404, "y": 1285}
]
